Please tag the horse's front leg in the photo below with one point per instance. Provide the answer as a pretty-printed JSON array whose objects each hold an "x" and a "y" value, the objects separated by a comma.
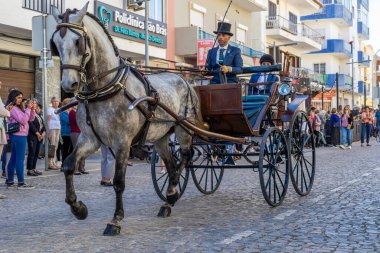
[
  {"x": 85, "y": 146},
  {"x": 113, "y": 228}
]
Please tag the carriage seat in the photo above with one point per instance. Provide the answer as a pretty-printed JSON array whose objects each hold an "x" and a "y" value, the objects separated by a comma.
[{"x": 252, "y": 106}]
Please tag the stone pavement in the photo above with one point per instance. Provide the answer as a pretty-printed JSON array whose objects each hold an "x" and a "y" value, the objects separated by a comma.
[{"x": 341, "y": 214}]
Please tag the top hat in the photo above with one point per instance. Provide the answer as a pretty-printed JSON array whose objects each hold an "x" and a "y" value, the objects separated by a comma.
[{"x": 224, "y": 28}]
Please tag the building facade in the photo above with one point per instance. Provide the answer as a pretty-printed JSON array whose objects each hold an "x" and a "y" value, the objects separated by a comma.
[
  {"x": 19, "y": 64},
  {"x": 344, "y": 24},
  {"x": 196, "y": 20}
]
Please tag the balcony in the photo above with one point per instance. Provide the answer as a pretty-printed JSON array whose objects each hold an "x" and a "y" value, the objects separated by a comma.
[
  {"x": 363, "y": 60},
  {"x": 361, "y": 85},
  {"x": 363, "y": 31},
  {"x": 337, "y": 13},
  {"x": 252, "y": 5},
  {"x": 345, "y": 82},
  {"x": 43, "y": 6},
  {"x": 306, "y": 6},
  {"x": 187, "y": 37},
  {"x": 364, "y": 3},
  {"x": 308, "y": 78},
  {"x": 336, "y": 47},
  {"x": 286, "y": 31}
]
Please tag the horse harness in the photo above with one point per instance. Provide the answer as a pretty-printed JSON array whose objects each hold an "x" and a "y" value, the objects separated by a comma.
[{"x": 111, "y": 89}]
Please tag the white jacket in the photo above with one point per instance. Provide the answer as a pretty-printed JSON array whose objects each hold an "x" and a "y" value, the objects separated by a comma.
[{"x": 4, "y": 113}]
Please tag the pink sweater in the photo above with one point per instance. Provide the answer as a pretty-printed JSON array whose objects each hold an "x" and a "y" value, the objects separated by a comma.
[{"x": 23, "y": 118}]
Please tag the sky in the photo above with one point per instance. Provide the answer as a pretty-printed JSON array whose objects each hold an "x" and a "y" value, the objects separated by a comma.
[{"x": 374, "y": 23}]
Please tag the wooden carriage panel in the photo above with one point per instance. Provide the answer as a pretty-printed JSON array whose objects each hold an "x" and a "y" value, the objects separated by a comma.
[{"x": 222, "y": 109}]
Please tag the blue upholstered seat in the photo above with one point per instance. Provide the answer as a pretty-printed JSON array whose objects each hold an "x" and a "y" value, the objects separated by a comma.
[{"x": 252, "y": 106}]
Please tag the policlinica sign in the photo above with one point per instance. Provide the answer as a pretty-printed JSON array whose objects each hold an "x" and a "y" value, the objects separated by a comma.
[{"x": 128, "y": 19}]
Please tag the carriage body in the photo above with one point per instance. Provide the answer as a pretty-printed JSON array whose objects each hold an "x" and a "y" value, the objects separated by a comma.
[{"x": 276, "y": 131}]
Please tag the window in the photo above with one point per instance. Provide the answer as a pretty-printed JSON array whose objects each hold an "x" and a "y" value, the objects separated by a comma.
[
  {"x": 5, "y": 60},
  {"x": 293, "y": 22},
  {"x": 156, "y": 10},
  {"x": 43, "y": 6},
  {"x": 320, "y": 68},
  {"x": 196, "y": 18},
  {"x": 272, "y": 9},
  {"x": 241, "y": 36}
]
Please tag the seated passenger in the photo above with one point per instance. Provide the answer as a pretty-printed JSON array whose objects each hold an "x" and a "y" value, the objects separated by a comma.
[
  {"x": 265, "y": 60},
  {"x": 224, "y": 60}
]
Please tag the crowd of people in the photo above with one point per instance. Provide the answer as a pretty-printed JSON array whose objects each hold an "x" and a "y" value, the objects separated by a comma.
[
  {"x": 341, "y": 123},
  {"x": 22, "y": 132}
]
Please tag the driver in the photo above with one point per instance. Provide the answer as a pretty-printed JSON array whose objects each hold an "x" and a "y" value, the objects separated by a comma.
[
  {"x": 265, "y": 60},
  {"x": 224, "y": 61}
]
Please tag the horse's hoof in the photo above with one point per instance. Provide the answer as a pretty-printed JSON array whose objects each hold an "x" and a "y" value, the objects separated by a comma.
[
  {"x": 171, "y": 199},
  {"x": 165, "y": 211},
  {"x": 111, "y": 230},
  {"x": 80, "y": 212}
]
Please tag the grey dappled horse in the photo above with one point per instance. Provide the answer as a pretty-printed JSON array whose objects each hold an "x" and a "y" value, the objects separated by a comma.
[{"x": 113, "y": 123}]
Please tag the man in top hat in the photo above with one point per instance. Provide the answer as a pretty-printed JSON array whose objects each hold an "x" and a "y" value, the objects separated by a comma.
[
  {"x": 265, "y": 60},
  {"x": 224, "y": 61}
]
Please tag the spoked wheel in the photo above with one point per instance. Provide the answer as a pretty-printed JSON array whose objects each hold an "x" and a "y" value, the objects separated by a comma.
[
  {"x": 160, "y": 175},
  {"x": 302, "y": 148},
  {"x": 274, "y": 166},
  {"x": 207, "y": 167}
]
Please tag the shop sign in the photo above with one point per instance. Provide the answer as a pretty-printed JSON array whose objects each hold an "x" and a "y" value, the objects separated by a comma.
[
  {"x": 203, "y": 47},
  {"x": 131, "y": 26}
]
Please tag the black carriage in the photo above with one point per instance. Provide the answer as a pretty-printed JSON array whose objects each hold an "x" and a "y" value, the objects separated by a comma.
[{"x": 274, "y": 138}]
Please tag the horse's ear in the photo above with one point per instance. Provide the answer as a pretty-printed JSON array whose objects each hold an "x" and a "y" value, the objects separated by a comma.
[
  {"x": 55, "y": 12},
  {"x": 82, "y": 13}
]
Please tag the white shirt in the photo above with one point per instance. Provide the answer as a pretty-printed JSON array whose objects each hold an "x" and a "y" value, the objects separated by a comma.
[
  {"x": 55, "y": 122},
  {"x": 262, "y": 79},
  {"x": 218, "y": 52}
]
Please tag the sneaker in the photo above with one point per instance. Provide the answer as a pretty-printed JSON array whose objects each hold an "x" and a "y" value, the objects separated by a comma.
[
  {"x": 2, "y": 196},
  {"x": 11, "y": 186},
  {"x": 349, "y": 147},
  {"x": 342, "y": 147},
  {"x": 163, "y": 171},
  {"x": 25, "y": 187},
  {"x": 38, "y": 172},
  {"x": 368, "y": 145},
  {"x": 3, "y": 175},
  {"x": 106, "y": 184},
  {"x": 84, "y": 172}
]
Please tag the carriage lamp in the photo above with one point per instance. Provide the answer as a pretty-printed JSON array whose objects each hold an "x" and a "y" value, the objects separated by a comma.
[{"x": 284, "y": 89}]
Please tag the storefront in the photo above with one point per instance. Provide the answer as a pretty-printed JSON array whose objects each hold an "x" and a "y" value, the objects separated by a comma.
[{"x": 17, "y": 71}]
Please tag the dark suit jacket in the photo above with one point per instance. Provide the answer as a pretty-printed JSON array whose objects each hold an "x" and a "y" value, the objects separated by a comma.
[
  {"x": 255, "y": 79},
  {"x": 232, "y": 59},
  {"x": 34, "y": 126}
]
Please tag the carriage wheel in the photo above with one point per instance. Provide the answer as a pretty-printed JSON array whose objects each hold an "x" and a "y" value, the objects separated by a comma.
[
  {"x": 302, "y": 148},
  {"x": 208, "y": 174},
  {"x": 274, "y": 166},
  {"x": 161, "y": 180}
]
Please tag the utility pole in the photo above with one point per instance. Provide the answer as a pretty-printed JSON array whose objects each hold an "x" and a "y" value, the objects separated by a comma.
[
  {"x": 44, "y": 86},
  {"x": 337, "y": 89},
  {"x": 352, "y": 75},
  {"x": 146, "y": 33}
]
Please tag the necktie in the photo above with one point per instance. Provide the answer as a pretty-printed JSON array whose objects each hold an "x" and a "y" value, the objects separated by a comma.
[{"x": 221, "y": 56}]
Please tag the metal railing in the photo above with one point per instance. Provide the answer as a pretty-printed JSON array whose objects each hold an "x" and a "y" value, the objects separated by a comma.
[
  {"x": 244, "y": 49},
  {"x": 311, "y": 34},
  {"x": 315, "y": 77},
  {"x": 43, "y": 6},
  {"x": 278, "y": 22}
]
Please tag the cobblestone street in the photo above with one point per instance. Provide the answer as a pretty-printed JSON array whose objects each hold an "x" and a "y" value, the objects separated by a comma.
[{"x": 340, "y": 214}]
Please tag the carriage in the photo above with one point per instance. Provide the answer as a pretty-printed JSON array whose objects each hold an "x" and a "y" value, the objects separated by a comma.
[{"x": 268, "y": 134}]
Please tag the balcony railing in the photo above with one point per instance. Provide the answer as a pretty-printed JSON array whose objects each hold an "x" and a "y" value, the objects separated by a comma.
[
  {"x": 244, "y": 49},
  {"x": 363, "y": 3},
  {"x": 331, "y": 10},
  {"x": 363, "y": 59},
  {"x": 311, "y": 34},
  {"x": 363, "y": 29},
  {"x": 297, "y": 73},
  {"x": 43, "y": 6},
  {"x": 278, "y": 22},
  {"x": 345, "y": 81}
]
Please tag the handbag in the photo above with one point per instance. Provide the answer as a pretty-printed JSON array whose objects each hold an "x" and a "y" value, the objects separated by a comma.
[
  {"x": 349, "y": 126},
  {"x": 51, "y": 152},
  {"x": 13, "y": 128}
]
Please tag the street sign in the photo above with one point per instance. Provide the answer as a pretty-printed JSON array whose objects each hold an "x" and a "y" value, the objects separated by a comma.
[
  {"x": 38, "y": 30},
  {"x": 203, "y": 47}
]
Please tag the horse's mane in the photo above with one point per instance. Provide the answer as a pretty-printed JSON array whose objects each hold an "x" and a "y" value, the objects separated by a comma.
[{"x": 97, "y": 20}]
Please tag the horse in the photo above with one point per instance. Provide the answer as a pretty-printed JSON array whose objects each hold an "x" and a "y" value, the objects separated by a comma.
[{"x": 91, "y": 65}]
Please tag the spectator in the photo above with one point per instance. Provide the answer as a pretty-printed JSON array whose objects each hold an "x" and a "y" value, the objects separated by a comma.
[
  {"x": 67, "y": 146},
  {"x": 37, "y": 132},
  {"x": 4, "y": 113},
  {"x": 366, "y": 124},
  {"x": 18, "y": 139},
  {"x": 75, "y": 131},
  {"x": 347, "y": 122},
  {"x": 53, "y": 130},
  {"x": 107, "y": 165},
  {"x": 377, "y": 119},
  {"x": 340, "y": 110},
  {"x": 335, "y": 127},
  {"x": 322, "y": 117}
]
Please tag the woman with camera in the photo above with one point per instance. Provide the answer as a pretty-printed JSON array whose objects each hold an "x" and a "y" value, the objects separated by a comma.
[{"x": 18, "y": 129}]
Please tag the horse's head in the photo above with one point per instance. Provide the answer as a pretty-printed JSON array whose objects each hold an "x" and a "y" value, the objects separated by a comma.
[{"x": 71, "y": 43}]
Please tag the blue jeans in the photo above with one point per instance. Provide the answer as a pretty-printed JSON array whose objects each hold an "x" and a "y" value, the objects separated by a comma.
[
  {"x": 346, "y": 134},
  {"x": 17, "y": 159},
  {"x": 3, "y": 158},
  {"x": 367, "y": 129}
]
